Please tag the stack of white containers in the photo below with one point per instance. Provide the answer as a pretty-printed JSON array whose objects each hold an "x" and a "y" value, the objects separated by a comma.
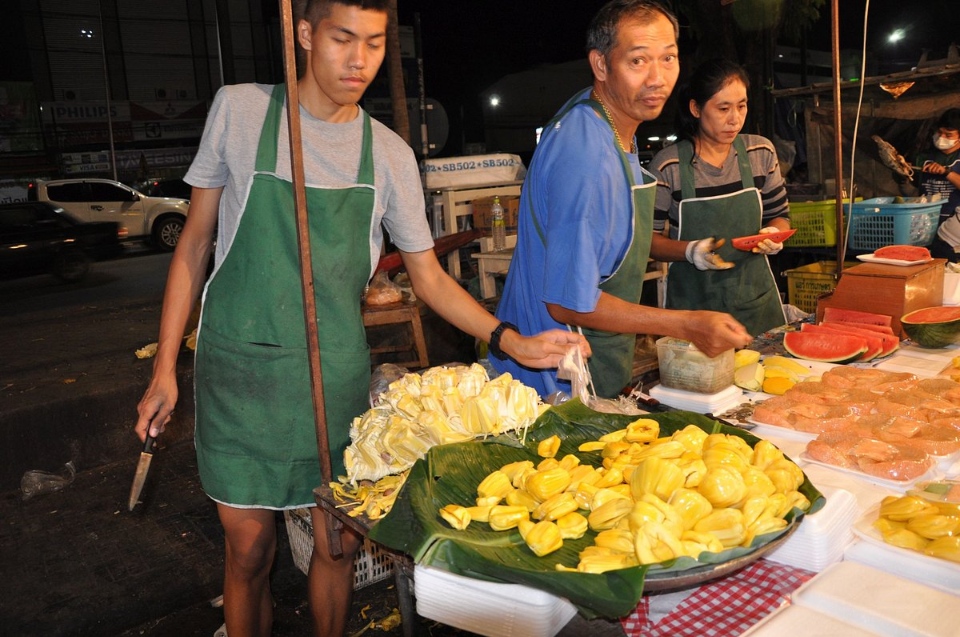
[{"x": 822, "y": 536}]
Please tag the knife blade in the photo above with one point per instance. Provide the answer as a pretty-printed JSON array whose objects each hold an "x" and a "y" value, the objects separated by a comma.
[{"x": 143, "y": 467}]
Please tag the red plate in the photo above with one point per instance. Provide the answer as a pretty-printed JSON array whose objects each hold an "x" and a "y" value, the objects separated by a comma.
[{"x": 749, "y": 243}]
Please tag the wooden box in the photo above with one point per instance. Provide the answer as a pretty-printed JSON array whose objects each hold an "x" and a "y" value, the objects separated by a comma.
[{"x": 887, "y": 289}]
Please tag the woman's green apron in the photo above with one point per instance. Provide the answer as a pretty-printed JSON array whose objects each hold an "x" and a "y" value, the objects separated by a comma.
[
  {"x": 611, "y": 365},
  {"x": 748, "y": 291},
  {"x": 255, "y": 436}
]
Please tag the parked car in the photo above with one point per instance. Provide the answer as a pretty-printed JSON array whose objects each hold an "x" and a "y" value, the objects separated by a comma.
[
  {"x": 38, "y": 237},
  {"x": 165, "y": 187},
  {"x": 157, "y": 219}
]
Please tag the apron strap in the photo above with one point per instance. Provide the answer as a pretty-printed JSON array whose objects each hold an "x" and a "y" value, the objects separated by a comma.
[{"x": 688, "y": 188}]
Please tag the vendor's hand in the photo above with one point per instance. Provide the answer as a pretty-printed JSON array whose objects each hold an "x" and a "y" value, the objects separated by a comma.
[
  {"x": 714, "y": 332},
  {"x": 934, "y": 168},
  {"x": 702, "y": 254},
  {"x": 767, "y": 246},
  {"x": 544, "y": 350},
  {"x": 156, "y": 406}
]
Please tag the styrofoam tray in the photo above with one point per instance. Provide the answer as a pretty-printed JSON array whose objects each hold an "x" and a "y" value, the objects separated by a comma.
[
  {"x": 823, "y": 535},
  {"x": 763, "y": 429},
  {"x": 715, "y": 403},
  {"x": 800, "y": 620},
  {"x": 942, "y": 574},
  {"x": 881, "y": 602},
  {"x": 488, "y": 608},
  {"x": 896, "y": 485}
]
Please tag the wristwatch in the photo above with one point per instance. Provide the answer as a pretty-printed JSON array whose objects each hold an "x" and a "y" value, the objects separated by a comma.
[{"x": 494, "y": 346}]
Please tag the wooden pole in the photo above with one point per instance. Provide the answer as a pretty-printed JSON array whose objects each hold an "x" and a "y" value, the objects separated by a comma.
[
  {"x": 837, "y": 137},
  {"x": 303, "y": 237}
]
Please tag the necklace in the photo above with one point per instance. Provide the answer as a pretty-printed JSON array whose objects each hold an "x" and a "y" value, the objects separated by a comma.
[{"x": 616, "y": 133}]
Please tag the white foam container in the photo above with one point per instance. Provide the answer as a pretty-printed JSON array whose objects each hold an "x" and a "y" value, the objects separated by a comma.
[
  {"x": 715, "y": 403},
  {"x": 489, "y": 608},
  {"x": 822, "y": 537},
  {"x": 799, "y": 620},
  {"x": 880, "y": 602}
]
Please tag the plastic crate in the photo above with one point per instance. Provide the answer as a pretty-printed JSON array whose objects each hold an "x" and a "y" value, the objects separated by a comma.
[
  {"x": 815, "y": 223},
  {"x": 881, "y": 222},
  {"x": 806, "y": 283},
  {"x": 370, "y": 565}
]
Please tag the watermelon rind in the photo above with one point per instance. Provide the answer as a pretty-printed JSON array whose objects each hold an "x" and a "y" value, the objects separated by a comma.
[
  {"x": 825, "y": 348},
  {"x": 933, "y": 327}
]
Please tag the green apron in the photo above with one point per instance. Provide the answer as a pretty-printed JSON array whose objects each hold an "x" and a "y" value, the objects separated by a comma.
[
  {"x": 611, "y": 365},
  {"x": 748, "y": 291},
  {"x": 255, "y": 434}
]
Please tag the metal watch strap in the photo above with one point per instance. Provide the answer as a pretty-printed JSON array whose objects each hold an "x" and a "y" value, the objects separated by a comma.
[{"x": 494, "y": 346}]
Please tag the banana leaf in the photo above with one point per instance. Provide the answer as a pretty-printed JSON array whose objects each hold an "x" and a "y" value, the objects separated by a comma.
[{"x": 449, "y": 474}]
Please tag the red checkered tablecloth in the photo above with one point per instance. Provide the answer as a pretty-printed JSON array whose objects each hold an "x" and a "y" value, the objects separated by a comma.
[{"x": 721, "y": 608}]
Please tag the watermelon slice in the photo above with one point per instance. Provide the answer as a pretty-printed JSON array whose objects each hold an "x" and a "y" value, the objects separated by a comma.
[
  {"x": 933, "y": 326},
  {"x": 832, "y": 314},
  {"x": 824, "y": 347},
  {"x": 888, "y": 342},
  {"x": 882, "y": 329},
  {"x": 873, "y": 341},
  {"x": 903, "y": 253}
]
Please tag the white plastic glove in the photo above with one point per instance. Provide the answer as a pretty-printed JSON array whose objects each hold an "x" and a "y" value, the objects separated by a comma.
[
  {"x": 701, "y": 254},
  {"x": 768, "y": 247}
]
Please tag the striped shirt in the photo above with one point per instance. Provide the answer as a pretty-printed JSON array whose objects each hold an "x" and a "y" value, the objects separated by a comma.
[{"x": 712, "y": 181}]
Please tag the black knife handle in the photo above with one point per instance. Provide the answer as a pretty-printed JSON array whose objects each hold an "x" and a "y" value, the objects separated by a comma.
[{"x": 149, "y": 444}]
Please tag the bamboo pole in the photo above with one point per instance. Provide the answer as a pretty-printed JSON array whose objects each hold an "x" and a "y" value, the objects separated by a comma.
[{"x": 837, "y": 137}]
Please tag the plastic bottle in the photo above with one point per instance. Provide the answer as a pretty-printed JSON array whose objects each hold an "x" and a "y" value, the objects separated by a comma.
[{"x": 498, "y": 226}]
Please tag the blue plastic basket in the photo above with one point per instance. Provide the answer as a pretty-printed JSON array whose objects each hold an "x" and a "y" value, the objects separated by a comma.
[{"x": 880, "y": 222}]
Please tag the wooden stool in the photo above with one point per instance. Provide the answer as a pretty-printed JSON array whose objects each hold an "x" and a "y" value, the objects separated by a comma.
[{"x": 403, "y": 312}]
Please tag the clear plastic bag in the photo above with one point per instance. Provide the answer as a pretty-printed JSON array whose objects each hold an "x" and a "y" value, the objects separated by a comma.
[
  {"x": 36, "y": 482},
  {"x": 383, "y": 291},
  {"x": 381, "y": 378}
]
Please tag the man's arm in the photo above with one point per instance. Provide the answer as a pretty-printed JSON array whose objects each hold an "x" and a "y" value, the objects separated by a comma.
[
  {"x": 438, "y": 290},
  {"x": 711, "y": 332}
]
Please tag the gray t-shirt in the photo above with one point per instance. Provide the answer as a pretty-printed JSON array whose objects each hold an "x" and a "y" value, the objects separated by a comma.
[{"x": 331, "y": 158}]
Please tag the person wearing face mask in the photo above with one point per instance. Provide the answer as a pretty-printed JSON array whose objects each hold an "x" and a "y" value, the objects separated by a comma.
[
  {"x": 715, "y": 184},
  {"x": 939, "y": 175}
]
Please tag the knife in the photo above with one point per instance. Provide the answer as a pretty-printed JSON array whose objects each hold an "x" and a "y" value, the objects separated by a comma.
[{"x": 140, "y": 477}]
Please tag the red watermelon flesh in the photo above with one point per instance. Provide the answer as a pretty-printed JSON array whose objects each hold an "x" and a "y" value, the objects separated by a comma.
[
  {"x": 889, "y": 342},
  {"x": 937, "y": 314},
  {"x": 882, "y": 329},
  {"x": 873, "y": 342},
  {"x": 903, "y": 253},
  {"x": 832, "y": 314},
  {"x": 826, "y": 347}
]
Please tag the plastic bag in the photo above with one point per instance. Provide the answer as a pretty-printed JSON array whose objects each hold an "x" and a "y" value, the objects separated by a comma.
[
  {"x": 383, "y": 291},
  {"x": 36, "y": 482},
  {"x": 381, "y": 378}
]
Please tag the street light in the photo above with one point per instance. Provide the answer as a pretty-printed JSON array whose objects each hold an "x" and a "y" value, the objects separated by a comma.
[{"x": 896, "y": 36}]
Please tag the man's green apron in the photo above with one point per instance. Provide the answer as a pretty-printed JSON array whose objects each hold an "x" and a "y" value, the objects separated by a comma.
[
  {"x": 255, "y": 436},
  {"x": 611, "y": 365},
  {"x": 748, "y": 291}
]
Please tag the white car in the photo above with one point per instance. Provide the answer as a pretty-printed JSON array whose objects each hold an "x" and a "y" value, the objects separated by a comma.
[{"x": 158, "y": 219}]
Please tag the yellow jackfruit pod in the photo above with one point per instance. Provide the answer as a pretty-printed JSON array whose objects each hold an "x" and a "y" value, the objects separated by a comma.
[
  {"x": 556, "y": 506},
  {"x": 548, "y": 447},
  {"x": 641, "y": 513},
  {"x": 725, "y": 524},
  {"x": 643, "y": 549},
  {"x": 724, "y": 454},
  {"x": 603, "y": 563},
  {"x": 609, "y": 477},
  {"x": 613, "y": 436},
  {"x": 488, "y": 501},
  {"x": 886, "y": 525},
  {"x": 542, "y": 485},
  {"x": 671, "y": 518},
  {"x": 758, "y": 483},
  {"x": 504, "y": 516},
  {"x": 642, "y": 430},
  {"x": 547, "y": 464},
  {"x": 520, "y": 479},
  {"x": 569, "y": 462},
  {"x": 591, "y": 445},
  {"x": 785, "y": 474},
  {"x": 708, "y": 540},
  {"x": 602, "y": 496},
  {"x": 754, "y": 508},
  {"x": 582, "y": 473},
  {"x": 666, "y": 449},
  {"x": 614, "y": 449},
  {"x": 519, "y": 497},
  {"x": 479, "y": 416},
  {"x": 618, "y": 540},
  {"x": 723, "y": 486},
  {"x": 691, "y": 437},
  {"x": 693, "y": 470},
  {"x": 657, "y": 476},
  {"x": 480, "y": 514},
  {"x": 452, "y": 401},
  {"x": 934, "y": 526},
  {"x": 495, "y": 485},
  {"x": 542, "y": 537},
  {"x": 906, "y": 539},
  {"x": 664, "y": 542},
  {"x": 623, "y": 489},
  {"x": 456, "y": 516},
  {"x": 512, "y": 469},
  {"x": 765, "y": 453},
  {"x": 609, "y": 513},
  {"x": 409, "y": 406},
  {"x": 905, "y": 507},
  {"x": 572, "y": 525},
  {"x": 691, "y": 505},
  {"x": 584, "y": 494},
  {"x": 791, "y": 499},
  {"x": 946, "y": 548},
  {"x": 762, "y": 526}
]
